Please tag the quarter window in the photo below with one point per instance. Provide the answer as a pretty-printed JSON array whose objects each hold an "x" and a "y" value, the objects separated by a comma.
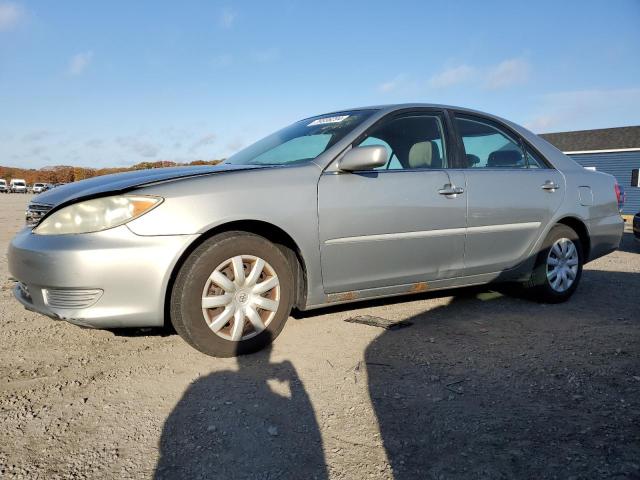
[
  {"x": 487, "y": 146},
  {"x": 412, "y": 142},
  {"x": 534, "y": 161}
]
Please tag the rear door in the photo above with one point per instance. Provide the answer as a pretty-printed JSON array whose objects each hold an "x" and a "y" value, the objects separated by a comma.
[
  {"x": 511, "y": 193},
  {"x": 395, "y": 225}
]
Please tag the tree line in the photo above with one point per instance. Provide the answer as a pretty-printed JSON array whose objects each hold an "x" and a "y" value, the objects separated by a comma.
[{"x": 68, "y": 174}]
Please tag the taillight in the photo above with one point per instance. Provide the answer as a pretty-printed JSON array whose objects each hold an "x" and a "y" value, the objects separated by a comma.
[{"x": 619, "y": 196}]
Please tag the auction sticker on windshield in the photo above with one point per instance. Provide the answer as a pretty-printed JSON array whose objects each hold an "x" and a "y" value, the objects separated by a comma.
[{"x": 322, "y": 121}]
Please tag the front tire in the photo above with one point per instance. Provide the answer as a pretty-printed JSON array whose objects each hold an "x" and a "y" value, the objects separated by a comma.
[
  {"x": 558, "y": 267},
  {"x": 233, "y": 295}
]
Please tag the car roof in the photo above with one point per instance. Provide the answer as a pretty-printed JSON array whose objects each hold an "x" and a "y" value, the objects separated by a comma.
[
  {"x": 389, "y": 108},
  {"x": 401, "y": 106}
]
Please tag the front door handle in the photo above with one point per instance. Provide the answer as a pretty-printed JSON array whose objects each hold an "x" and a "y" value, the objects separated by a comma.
[
  {"x": 450, "y": 190},
  {"x": 549, "y": 186}
]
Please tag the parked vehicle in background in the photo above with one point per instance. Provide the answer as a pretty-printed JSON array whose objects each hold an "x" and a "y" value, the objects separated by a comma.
[
  {"x": 3, "y": 186},
  {"x": 636, "y": 226},
  {"x": 39, "y": 187},
  {"x": 621, "y": 195},
  {"x": 347, "y": 206},
  {"x": 17, "y": 185}
]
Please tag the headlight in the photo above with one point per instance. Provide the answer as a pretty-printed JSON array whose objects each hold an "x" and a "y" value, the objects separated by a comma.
[{"x": 97, "y": 214}]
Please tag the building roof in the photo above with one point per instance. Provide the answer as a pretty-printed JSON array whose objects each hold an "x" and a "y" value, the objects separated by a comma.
[{"x": 592, "y": 140}]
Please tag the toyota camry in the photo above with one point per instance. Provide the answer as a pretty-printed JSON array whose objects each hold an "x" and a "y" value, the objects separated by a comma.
[{"x": 351, "y": 205}]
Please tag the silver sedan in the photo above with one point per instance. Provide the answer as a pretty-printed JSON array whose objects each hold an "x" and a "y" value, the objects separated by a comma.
[{"x": 351, "y": 205}]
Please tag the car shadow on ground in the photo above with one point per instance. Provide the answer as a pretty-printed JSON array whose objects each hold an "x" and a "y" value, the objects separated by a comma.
[
  {"x": 629, "y": 243},
  {"x": 143, "y": 332},
  {"x": 495, "y": 387}
]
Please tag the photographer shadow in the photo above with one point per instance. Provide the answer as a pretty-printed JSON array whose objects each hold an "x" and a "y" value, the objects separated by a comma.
[{"x": 253, "y": 423}]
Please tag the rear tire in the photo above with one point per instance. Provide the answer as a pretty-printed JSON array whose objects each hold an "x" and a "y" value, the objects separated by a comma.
[
  {"x": 233, "y": 295},
  {"x": 558, "y": 267}
]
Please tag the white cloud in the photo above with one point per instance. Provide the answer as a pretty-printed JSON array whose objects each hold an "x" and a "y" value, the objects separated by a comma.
[
  {"x": 36, "y": 136},
  {"x": 541, "y": 123},
  {"x": 202, "y": 142},
  {"x": 222, "y": 60},
  {"x": 452, "y": 76},
  {"x": 235, "y": 145},
  {"x": 94, "y": 143},
  {"x": 10, "y": 15},
  {"x": 393, "y": 84},
  {"x": 139, "y": 146},
  {"x": 507, "y": 73},
  {"x": 267, "y": 55},
  {"x": 586, "y": 109},
  {"x": 79, "y": 62},
  {"x": 227, "y": 17}
]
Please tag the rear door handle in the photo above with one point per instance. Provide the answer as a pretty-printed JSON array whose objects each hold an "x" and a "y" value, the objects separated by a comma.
[
  {"x": 450, "y": 190},
  {"x": 550, "y": 186}
]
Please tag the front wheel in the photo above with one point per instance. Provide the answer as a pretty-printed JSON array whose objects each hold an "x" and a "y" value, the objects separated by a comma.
[
  {"x": 233, "y": 295},
  {"x": 558, "y": 266}
]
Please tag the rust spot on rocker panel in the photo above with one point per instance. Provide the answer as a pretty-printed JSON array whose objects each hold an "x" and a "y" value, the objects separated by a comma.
[
  {"x": 342, "y": 297},
  {"x": 419, "y": 287}
]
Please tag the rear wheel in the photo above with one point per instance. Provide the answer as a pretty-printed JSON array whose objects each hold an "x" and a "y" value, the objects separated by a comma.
[
  {"x": 233, "y": 295},
  {"x": 558, "y": 266}
]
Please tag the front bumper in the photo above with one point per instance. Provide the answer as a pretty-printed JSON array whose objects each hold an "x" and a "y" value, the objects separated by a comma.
[{"x": 108, "y": 279}]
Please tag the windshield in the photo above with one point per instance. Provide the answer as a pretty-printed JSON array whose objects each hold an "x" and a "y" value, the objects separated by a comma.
[{"x": 301, "y": 142}]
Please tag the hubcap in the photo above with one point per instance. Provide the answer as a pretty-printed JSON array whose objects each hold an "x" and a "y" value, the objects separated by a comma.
[
  {"x": 562, "y": 265},
  {"x": 241, "y": 297}
]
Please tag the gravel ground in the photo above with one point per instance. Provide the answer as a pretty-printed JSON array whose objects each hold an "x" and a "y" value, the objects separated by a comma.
[{"x": 482, "y": 385}]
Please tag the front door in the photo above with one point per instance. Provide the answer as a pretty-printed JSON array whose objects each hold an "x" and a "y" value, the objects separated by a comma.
[{"x": 399, "y": 224}]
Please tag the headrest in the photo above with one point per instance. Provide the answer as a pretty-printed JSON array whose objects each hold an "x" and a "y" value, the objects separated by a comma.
[
  {"x": 425, "y": 155},
  {"x": 472, "y": 160},
  {"x": 505, "y": 158}
]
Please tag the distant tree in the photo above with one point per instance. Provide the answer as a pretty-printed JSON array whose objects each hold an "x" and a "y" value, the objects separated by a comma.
[{"x": 67, "y": 173}]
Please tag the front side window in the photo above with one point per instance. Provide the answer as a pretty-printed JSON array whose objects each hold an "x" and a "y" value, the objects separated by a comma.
[
  {"x": 412, "y": 142},
  {"x": 301, "y": 142},
  {"x": 487, "y": 146}
]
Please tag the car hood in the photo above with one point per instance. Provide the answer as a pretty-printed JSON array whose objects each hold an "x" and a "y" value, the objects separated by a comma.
[{"x": 120, "y": 182}]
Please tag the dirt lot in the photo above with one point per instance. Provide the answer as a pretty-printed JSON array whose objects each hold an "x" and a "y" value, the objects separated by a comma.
[{"x": 480, "y": 386}]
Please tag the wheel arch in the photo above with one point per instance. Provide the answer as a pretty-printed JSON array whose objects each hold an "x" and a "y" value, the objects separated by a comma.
[
  {"x": 271, "y": 232},
  {"x": 580, "y": 228}
]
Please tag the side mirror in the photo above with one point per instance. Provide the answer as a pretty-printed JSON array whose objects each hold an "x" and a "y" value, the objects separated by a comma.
[{"x": 363, "y": 158}]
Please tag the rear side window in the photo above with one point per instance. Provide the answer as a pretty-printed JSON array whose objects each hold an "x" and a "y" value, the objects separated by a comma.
[{"x": 488, "y": 146}]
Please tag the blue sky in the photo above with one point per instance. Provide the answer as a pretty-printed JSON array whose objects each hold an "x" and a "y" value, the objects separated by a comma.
[{"x": 119, "y": 82}]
